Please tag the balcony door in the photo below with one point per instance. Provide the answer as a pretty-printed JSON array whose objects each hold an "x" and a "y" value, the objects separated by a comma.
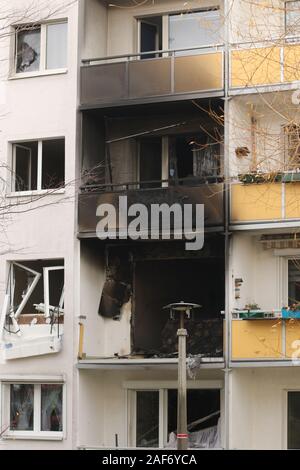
[{"x": 150, "y": 36}]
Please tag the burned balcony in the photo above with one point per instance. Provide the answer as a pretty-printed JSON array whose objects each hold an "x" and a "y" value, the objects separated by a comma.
[
  {"x": 165, "y": 74},
  {"x": 154, "y": 154},
  {"x": 129, "y": 286}
]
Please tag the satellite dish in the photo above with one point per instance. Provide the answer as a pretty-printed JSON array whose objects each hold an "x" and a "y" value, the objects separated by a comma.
[{"x": 296, "y": 97}]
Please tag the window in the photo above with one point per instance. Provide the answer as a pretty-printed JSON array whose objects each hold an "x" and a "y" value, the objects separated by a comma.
[
  {"x": 33, "y": 409},
  {"x": 41, "y": 47},
  {"x": 34, "y": 288},
  {"x": 293, "y": 424},
  {"x": 150, "y": 35},
  {"x": 292, "y": 147},
  {"x": 180, "y": 31},
  {"x": 155, "y": 417},
  {"x": 38, "y": 165},
  {"x": 192, "y": 29},
  {"x": 294, "y": 281},
  {"x": 292, "y": 20}
]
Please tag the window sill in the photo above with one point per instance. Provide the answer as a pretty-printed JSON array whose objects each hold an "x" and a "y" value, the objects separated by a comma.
[
  {"x": 33, "y": 436},
  {"x": 17, "y": 76},
  {"x": 41, "y": 192}
]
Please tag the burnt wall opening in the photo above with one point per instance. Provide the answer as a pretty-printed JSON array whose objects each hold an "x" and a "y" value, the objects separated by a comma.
[{"x": 160, "y": 282}]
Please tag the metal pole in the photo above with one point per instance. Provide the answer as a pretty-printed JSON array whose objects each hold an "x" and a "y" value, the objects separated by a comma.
[{"x": 182, "y": 436}]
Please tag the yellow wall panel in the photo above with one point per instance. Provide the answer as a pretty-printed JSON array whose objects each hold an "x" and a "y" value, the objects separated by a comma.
[
  {"x": 257, "y": 66},
  {"x": 292, "y": 334},
  {"x": 291, "y": 63},
  {"x": 255, "y": 201},
  {"x": 256, "y": 339},
  {"x": 292, "y": 200}
]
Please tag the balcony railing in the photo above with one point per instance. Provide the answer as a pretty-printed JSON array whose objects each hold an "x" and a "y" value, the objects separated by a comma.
[
  {"x": 185, "y": 191},
  {"x": 258, "y": 202},
  {"x": 264, "y": 63},
  {"x": 264, "y": 339},
  {"x": 146, "y": 75}
]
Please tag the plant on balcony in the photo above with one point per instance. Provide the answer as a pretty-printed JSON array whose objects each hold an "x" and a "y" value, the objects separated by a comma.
[
  {"x": 293, "y": 311},
  {"x": 257, "y": 177}
]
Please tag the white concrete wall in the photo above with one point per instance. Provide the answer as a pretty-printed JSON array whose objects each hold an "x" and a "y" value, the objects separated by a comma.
[
  {"x": 255, "y": 21},
  {"x": 103, "y": 403},
  {"x": 34, "y": 108},
  {"x": 260, "y": 270},
  {"x": 259, "y": 407}
]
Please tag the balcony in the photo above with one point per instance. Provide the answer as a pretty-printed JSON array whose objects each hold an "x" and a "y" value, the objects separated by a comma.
[
  {"x": 263, "y": 64},
  {"x": 265, "y": 202},
  {"x": 273, "y": 339},
  {"x": 122, "y": 79},
  {"x": 184, "y": 192}
]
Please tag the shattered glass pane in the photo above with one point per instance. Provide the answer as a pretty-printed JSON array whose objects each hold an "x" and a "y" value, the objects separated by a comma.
[
  {"x": 28, "y": 50},
  {"x": 147, "y": 418},
  {"x": 21, "y": 407},
  {"x": 51, "y": 407}
]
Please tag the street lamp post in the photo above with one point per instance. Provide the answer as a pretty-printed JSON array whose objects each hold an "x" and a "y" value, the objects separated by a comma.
[{"x": 184, "y": 310}]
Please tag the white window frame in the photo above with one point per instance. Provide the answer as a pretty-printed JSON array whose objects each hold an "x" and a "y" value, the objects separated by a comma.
[
  {"x": 46, "y": 271},
  {"x": 36, "y": 434},
  {"x": 162, "y": 388},
  {"x": 39, "y": 190},
  {"x": 43, "y": 51}
]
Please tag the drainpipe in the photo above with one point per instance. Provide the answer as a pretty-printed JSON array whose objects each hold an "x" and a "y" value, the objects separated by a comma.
[{"x": 227, "y": 233}]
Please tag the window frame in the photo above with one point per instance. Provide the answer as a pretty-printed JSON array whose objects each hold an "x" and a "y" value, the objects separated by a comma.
[
  {"x": 162, "y": 388},
  {"x": 290, "y": 38},
  {"x": 39, "y": 190},
  {"x": 165, "y": 25},
  {"x": 36, "y": 434},
  {"x": 43, "y": 50}
]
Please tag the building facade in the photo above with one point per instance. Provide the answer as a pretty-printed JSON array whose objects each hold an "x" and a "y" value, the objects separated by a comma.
[{"x": 156, "y": 103}]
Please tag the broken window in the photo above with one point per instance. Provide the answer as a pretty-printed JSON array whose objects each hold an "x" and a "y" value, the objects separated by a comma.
[
  {"x": 29, "y": 49},
  {"x": 293, "y": 424},
  {"x": 155, "y": 413},
  {"x": 41, "y": 47},
  {"x": 292, "y": 18},
  {"x": 194, "y": 156},
  {"x": 38, "y": 165},
  {"x": 35, "y": 407},
  {"x": 34, "y": 287}
]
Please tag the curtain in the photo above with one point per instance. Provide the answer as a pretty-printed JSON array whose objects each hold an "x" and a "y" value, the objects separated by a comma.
[{"x": 51, "y": 407}]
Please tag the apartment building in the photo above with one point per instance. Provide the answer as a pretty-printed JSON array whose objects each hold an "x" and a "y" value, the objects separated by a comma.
[{"x": 162, "y": 102}]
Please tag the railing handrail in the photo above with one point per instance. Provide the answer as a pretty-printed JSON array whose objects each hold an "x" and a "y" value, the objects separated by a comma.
[
  {"x": 279, "y": 41},
  {"x": 160, "y": 51},
  {"x": 192, "y": 179}
]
